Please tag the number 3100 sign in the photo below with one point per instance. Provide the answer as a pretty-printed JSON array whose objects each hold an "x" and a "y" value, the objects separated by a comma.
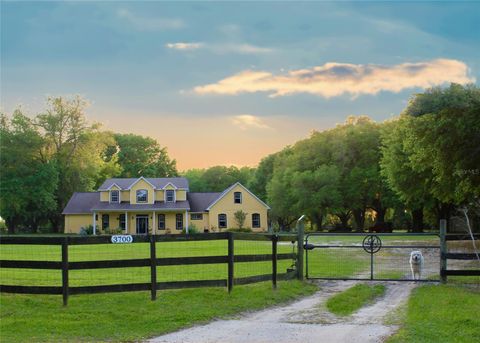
[{"x": 122, "y": 239}]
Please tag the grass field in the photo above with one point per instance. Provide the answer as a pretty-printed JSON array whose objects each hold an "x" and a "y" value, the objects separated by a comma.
[
  {"x": 128, "y": 317},
  {"x": 332, "y": 262},
  {"x": 349, "y": 301},
  {"x": 39, "y": 277},
  {"x": 441, "y": 313}
]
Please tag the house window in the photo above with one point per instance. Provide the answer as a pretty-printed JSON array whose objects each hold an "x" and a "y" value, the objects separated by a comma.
[
  {"x": 255, "y": 220},
  {"x": 121, "y": 221},
  {"x": 170, "y": 195},
  {"x": 237, "y": 197},
  {"x": 142, "y": 195},
  {"x": 222, "y": 221},
  {"x": 179, "y": 221},
  {"x": 161, "y": 222},
  {"x": 105, "y": 221},
  {"x": 196, "y": 216},
  {"x": 114, "y": 196}
]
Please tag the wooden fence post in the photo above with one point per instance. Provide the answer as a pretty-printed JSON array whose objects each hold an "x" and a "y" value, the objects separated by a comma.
[
  {"x": 443, "y": 250},
  {"x": 153, "y": 268},
  {"x": 65, "y": 271},
  {"x": 274, "y": 261},
  {"x": 231, "y": 261},
  {"x": 300, "y": 238}
]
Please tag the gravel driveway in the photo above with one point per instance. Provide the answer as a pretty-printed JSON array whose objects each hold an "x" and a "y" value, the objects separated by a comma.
[{"x": 303, "y": 321}]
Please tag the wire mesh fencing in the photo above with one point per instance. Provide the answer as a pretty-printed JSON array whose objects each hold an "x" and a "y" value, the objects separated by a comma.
[
  {"x": 372, "y": 257},
  {"x": 77, "y": 265}
]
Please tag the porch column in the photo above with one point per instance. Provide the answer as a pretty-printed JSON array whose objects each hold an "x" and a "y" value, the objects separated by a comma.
[
  {"x": 153, "y": 223},
  {"x": 126, "y": 222},
  {"x": 186, "y": 222},
  {"x": 94, "y": 224}
]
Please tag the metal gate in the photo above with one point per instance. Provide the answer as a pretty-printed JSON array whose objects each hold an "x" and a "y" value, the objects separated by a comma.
[{"x": 364, "y": 256}]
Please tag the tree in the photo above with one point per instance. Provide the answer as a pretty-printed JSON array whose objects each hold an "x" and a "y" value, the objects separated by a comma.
[
  {"x": 316, "y": 192},
  {"x": 410, "y": 185},
  {"x": 27, "y": 183},
  {"x": 142, "y": 156},
  {"x": 76, "y": 147},
  {"x": 434, "y": 148},
  {"x": 196, "y": 181},
  {"x": 218, "y": 178},
  {"x": 262, "y": 175},
  {"x": 240, "y": 218}
]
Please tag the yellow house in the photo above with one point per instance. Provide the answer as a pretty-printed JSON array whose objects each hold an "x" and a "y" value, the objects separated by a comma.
[{"x": 161, "y": 205}]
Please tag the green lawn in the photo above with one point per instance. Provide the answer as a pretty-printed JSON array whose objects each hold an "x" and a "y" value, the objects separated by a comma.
[
  {"x": 354, "y": 298},
  {"x": 441, "y": 313},
  {"x": 128, "y": 317},
  {"x": 40, "y": 277}
]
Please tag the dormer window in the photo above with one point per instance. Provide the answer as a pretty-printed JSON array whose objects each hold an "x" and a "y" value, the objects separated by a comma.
[
  {"x": 142, "y": 195},
  {"x": 237, "y": 197},
  {"x": 114, "y": 196},
  {"x": 170, "y": 195}
]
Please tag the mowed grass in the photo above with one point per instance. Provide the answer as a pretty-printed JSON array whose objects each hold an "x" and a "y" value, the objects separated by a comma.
[
  {"x": 441, "y": 313},
  {"x": 41, "y": 277},
  {"x": 132, "y": 317},
  {"x": 354, "y": 298}
]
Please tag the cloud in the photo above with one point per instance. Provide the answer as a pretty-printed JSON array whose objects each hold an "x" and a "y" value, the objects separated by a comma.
[
  {"x": 335, "y": 79},
  {"x": 248, "y": 121},
  {"x": 150, "y": 23},
  {"x": 184, "y": 46},
  {"x": 240, "y": 49},
  {"x": 247, "y": 49}
]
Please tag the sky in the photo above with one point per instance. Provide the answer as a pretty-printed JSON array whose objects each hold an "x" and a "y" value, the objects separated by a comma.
[{"x": 227, "y": 83}]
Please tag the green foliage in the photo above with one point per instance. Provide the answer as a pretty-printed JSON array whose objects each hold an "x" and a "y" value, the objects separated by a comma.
[
  {"x": 240, "y": 218},
  {"x": 142, "y": 156},
  {"x": 29, "y": 181},
  {"x": 243, "y": 229},
  {"x": 76, "y": 147},
  {"x": 441, "y": 313},
  {"x": 332, "y": 172},
  {"x": 443, "y": 141},
  {"x": 351, "y": 300},
  {"x": 217, "y": 178},
  {"x": 192, "y": 229}
]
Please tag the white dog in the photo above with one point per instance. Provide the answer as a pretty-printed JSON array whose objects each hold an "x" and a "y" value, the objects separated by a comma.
[{"x": 416, "y": 264}]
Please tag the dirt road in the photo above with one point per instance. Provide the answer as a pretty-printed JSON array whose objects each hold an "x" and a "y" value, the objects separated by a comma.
[{"x": 305, "y": 320}]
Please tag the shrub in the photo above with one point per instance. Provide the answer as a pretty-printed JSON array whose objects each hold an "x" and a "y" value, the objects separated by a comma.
[
  {"x": 240, "y": 218},
  {"x": 87, "y": 230},
  {"x": 192, "y": 229},
  {"x": 236, "y": 229}
]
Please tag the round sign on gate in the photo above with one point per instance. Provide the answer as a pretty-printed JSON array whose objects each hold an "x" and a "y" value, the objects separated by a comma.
[
  {"x": 122, "y": 239},
  {"x": 372, "y": 244}
]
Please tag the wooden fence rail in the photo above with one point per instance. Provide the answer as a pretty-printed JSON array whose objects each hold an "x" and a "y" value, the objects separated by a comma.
[
  {"x": 152, "y": 261},
  {"x": 445, "y": 255}
]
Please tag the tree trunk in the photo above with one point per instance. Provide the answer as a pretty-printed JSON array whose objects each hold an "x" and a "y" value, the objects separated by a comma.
[
  {"x": 445, "y": 212},
  {"x": 380, "y": 217},
  {"x": 417, "y": 219},
  {"x": 344, "y": 218},
  {"x": 359, "y": 215},
  {"x": 11, "y": 225},
  {"x": 56, "y": 221},
  {"x": 318, "y": 219}
]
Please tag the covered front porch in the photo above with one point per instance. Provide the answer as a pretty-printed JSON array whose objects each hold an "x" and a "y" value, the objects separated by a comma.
[{"x": 140, "y": 222}]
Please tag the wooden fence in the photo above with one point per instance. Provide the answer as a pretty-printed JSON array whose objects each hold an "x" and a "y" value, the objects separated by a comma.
[
  {"x": 153, "y": 262},
  {"x": 445, "y": 255}
]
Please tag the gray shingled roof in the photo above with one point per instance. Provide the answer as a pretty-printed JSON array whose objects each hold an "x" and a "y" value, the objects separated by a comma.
[
  {"x": 158, "y": 182},
  {"x": 158, "y": 205},
  {"x": 200, "y": 201},
  {"x": 82, "y": 203}
]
